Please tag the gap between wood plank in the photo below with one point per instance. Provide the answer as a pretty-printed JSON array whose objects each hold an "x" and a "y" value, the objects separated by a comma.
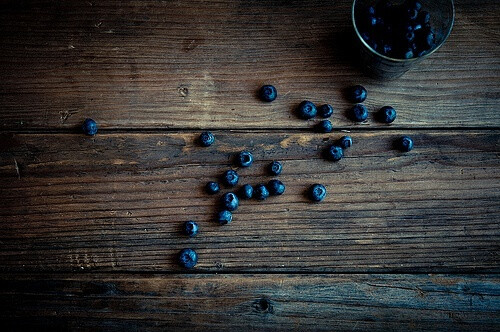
[{"x": 242, "y": 130}]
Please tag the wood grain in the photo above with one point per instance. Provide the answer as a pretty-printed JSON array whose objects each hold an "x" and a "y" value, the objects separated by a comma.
[
  {"x": 266, "y": 302},
  {"x": 117, "y": 202},
  {"x": 198, "y": 64}
]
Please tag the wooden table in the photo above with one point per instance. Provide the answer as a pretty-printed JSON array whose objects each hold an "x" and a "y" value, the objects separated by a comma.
[{"x": 90, "y": 226}]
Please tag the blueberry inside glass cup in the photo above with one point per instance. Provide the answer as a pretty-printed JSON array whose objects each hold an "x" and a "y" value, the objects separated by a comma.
[{"x": 392, "y": 36}]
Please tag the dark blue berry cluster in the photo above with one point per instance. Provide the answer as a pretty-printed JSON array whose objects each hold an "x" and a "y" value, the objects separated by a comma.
[
  {"x": 307, "y": 110},
  {"x": 230, "y": 201},
  {"x": 400, "y": 31},
  {"x": 359, "y": 113}
]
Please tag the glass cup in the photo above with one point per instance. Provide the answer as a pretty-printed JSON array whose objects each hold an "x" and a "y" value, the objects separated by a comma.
[{"x": 378, "y": 65}]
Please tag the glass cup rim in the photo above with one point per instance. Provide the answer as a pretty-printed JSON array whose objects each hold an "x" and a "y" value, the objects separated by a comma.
[{"x": 395, "y": 59}]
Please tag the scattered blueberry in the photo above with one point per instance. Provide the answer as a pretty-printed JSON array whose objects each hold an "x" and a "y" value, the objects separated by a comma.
[
  {"x": 245, "y": 159},
  {"x": 212, "y": 188},
  {"x": 275, "y": 187},
  {"x": 345, "y": 142},
  {"x": 190, "y": 228},
  {"x": 306, "y": 110},
  {"x": 230, "y": 178},
  {"x": 206, "y": 138},
  {"x": 334, "y": 153},
  {"x": 325, "y": 111},
  {"x": 405, "y": 144},
  {"x": 324, "y": 126},
  {"x": 357, "y": 94},
  {"x": 224, "y": 217},
  {"x": 188, "y": 258},
  {"x": 245, "y": 192},
  {"x": 359, "y": 113},
  {"x": 275, "y": 168},
  {"x": 317, "y": 192},
  {"x": 260, "y": 192},
  {"x": 229, "y": 201},
  {"x": 268, "y": 93},
  {"x": 387, "y": 114},
  {"x": 89, "y": 127}
]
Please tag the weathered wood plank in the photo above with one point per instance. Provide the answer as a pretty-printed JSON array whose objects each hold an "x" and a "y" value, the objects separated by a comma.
[
  {"x": 251, "y": 302},
  {"x": 197, "y": 64},
  {"x": 117, "y": 201}
]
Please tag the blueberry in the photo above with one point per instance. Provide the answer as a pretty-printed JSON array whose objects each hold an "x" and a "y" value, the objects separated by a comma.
[
  {"x": 373, "y": 44},
  {"x": 206, "y": 138},
  {"x": 417, "y": 27},
  {"x": 365, "y": 36},
  {"x": 359, "y": 113},
  {"x": 306, "y": 110},
  {"x": 224, "y": 217},
  {"x": 89, "y": 127},
  {"x": 424, "y": 18},
  {"x": 334, "y": 153},
  {"x": 188, "y": 258},
  {"x": 325, "y": 126},
  {"x": 268, "y": 93},
  {"x": 371, "y": 10},
  {"x": 408, "y": 54},
  {"x": 387, "y": 114},
  {"x": 412, "y": 14},
  {"x": 317, "y": 192},
  {"x": 275, "y": 187},
  {"x": 372, "y": 21},
  {"x": 345, "y": 142},
  {"x": 386, "y": 49},
  {"x": 260, "y": 192},
  {"x": 190, "y": 228},
  {"x": 325, "y": 111},
  {"x": 229, "y": 201},
  {"x": 275, "y": 168},
  {"x": 405, "y": 144},
  {"x": 230, "y": 178},
  {"x": 245, "y": 159},
  {"x": 245, "y": 192},
  {"x": 429, "y": 39},
  {"x": 357, "y": 94},
  {"x": 410, "y": 36},
  {"x": 212, "y": 188},
  {"x": 421, "y": 53},
  {"x": 414, "y": 4}
]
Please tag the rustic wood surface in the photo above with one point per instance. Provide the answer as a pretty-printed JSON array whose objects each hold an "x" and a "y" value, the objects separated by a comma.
[
  {"x": 90, "y": 226},
  {"x": 117, "y": 201},
  {"x": 266, "y": 302},
  {"x": 198, "y": 64}
]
